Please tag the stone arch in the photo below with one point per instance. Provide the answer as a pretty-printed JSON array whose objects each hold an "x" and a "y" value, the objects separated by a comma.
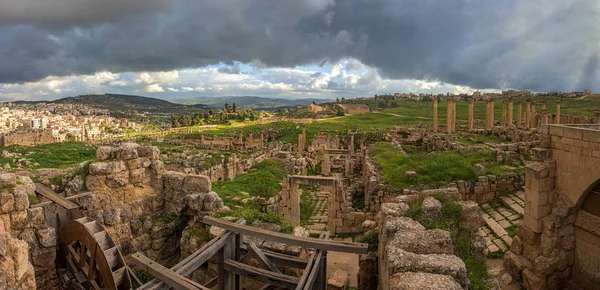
[
  {"x": 586, "y": 268},
  {"x": 584, "y": 184}
]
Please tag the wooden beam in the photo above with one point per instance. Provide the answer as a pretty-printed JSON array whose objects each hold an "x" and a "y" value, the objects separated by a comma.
[
  {"x": 165, "y": 274},
  {"x": 315, "y": 270},
  {"x": 263, "y": 275},
  {"x": 262, "y": 258},
  {"x": 312, "y": 263},
  {"x": 193, "y": 261},
  {"x": 336, "y": 246},
  {"x": 67, "y": 198},
  {"x": 50, "y": 194}
]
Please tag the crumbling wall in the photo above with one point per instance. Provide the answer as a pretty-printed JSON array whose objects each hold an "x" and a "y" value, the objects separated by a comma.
[
  {"x": 31, "y": 137},
  {"x": 142, "y": 205},
  {"x": 27, "y": 243}
]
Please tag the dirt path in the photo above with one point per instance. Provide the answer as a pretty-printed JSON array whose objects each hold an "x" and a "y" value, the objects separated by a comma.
[{"x": 343, "y": 261}]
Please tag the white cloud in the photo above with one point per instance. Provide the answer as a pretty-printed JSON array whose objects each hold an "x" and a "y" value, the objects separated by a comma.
[{"x": 348, "y": 78}]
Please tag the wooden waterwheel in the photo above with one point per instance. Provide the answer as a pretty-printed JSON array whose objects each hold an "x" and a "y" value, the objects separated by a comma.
[{"x": 93, "y": 257}]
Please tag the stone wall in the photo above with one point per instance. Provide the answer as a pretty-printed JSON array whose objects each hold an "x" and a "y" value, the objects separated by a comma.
[
  {"x": 558, "y": 239},
  {"x": 26, "y": 242},
  {"x": 30, "y": 137},
  {"x": 143, "y": 206}
]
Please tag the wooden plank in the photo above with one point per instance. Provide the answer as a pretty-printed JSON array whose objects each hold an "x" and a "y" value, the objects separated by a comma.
[
  {"x": 315, "y": 270},
  {"x": 262, "y": 258},
  {"x": 263, "y": 275},
  {"x": 67, "y": 198},
  {"x": 191, "y": 262},
  {"x": 311, "y": 264},
  {"x": 336, "y": 246},
  {"x": 164, "y": 274},
  {"x": 281, "y": 259},
  {"x": 51, "y": 195}
]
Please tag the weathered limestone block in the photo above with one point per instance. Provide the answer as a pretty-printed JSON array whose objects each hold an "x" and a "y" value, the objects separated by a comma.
[
  {"x": 150, "y": 152},
  {"x": 4, "y": 236},
  {"x": 138, "y": 177},
  {"x": 397, "y": 224},
  {"x": 173, "y": 180},
  {"x": 21, "y": 198},
  {"x": 472, "y": 215},
  {"x": 423, "y": 242},
  {"x": 106, "y": 167},
  {"x": 138, "y": 163},
  {"x": 338, "y": 280},
  {"x": 19, "y": 220},
  {"x": 118, "y": 179},
  {"x": 197, "y": 184},
  {"x": 212, "y": 202},
  {"x": 431, "y": 210},
  {"x": 95, "y": 182},
  {"x": 112, "y": 216},
  {"x": 8, "y": 179},
  {"x": 127, "y": 151},
  {"x": 19, "y": 251},
  {"x": 393, "y": 209},
  {"x": 104, "y": 153},
  {"x": 195, "y": 201},
  {"x": 46, "y": 237},
  {"x": 531, "y": 281},
  {"x": 28, "y": 236},
  {"x": 419, "y": 281},
  {"x": 7, "y": 202},
  {"x": 44, "y": 257},
  {"x": 403, "y": 261},
  {"x": 7, "y": 272}
]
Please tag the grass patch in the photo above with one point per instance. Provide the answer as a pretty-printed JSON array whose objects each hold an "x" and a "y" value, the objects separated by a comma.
[
  {"x": 33, "y": 199},
  {"x": 495, "y": 255},
  {"x": 358, "y": 199},
  {"x": 202, "y": 236},
  {"x": 164, "y": 218},
  {"x": 307, "y": 208},
  {"x": 263, "y": 181},
  {"x": 512, "y": 231},
  {"x": 371, "y": 238},
  {"x": 433, "y": 169},
  {"x": 53, "y": 155}
]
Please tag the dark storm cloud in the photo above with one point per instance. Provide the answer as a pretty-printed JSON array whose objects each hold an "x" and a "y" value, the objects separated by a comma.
[{"x": 537, "y": 45}]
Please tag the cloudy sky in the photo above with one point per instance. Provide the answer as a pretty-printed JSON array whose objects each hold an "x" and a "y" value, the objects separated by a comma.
[{"x": 295, "y": 48}]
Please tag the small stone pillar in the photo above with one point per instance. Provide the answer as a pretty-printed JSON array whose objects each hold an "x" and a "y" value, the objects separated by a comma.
[
  {"x": 490, "y": 114},
  {"x": 262, "y": 140},
  {"x": 557, "y": 120},
  {"x": 454, "y": 116},
  {"x": 250, "y": 141},
  {"x": 543, "y": 105},
  {"x": 351, "y": 145},
  {"x": 503, "y": 113},
  {"x": 527, "y": 114},
  {"x": 449, "y": 116},
  {"x": 544, "y": 119},
  {"x": 435, "y": 115},
  {"x": 326, "y": 166},
  {"x": 532, "y": 117},
  {"x": 241, "y": 140},
  {"x": 510, "y": 112},
  {"x": 470, "y": 122}
]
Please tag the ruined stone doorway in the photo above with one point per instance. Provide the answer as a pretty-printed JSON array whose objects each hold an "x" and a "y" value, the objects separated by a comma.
[{"x": 586, "y": 269}]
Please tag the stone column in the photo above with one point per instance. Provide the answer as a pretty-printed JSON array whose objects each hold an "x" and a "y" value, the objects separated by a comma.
[
  {"x": 544, "y": 119},
  {"x": 351, "y": 145},
  {"x": 470, "y": 122},
  {"x": 519, "y": 112},
  {"x": 262, "y": 140},
  {"x": 454, "y": 116},
  {"x": 241, "y": 141},
  {"x": 493, "y": 113},
  {"x": 300, "y": 145},
  {"x": 435, "y": 115},
  {"x": 510, "y": 112},
  {"x": 527, "y": 114},
  {"x": 449, "y": 116},
  {"x": 532, "y": 117},
  {"x": 543, "y": 106},
  {"x": 557, "y": 121},
  {"x": 487, "y": 114},
  {"x": 503, "y": 113},
  {"x": 294, "y": 204},
  {"x": 250, "y": 141},
  {"x": 325, "y": 167}
]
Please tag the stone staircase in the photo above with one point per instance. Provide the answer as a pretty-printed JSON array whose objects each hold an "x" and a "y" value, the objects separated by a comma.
[{"x": 501, "y": 218}]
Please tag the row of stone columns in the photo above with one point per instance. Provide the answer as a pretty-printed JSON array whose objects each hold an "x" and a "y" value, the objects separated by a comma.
[{"x": 507, "y": 114}]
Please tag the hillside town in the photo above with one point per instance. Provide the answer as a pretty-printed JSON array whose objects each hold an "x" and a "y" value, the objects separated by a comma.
[{"x": 36, "y": 124}]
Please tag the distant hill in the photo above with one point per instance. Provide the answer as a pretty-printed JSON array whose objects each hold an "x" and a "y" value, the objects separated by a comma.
[
  {"x": 252, "y": 102},
  {"x": 127, "y": 102}
]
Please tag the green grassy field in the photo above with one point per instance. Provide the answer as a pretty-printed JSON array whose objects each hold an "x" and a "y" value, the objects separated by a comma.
[
  {"x": 54, "y": 155},
  {"x": 262, "y": 181},
  {"x": 433, "y": 169}
]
